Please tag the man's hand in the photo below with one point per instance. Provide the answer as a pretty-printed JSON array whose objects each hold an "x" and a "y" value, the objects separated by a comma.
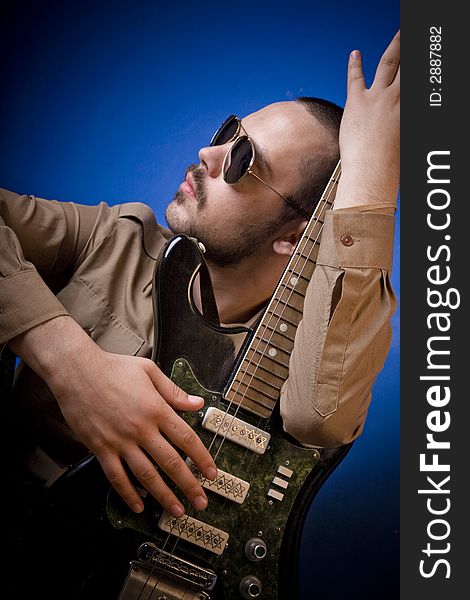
[
  {"x": 122, "y": 409},
  {"x": 370, "y": 133}
]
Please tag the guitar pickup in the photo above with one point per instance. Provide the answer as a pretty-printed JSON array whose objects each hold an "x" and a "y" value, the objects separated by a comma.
[
  {"x": 224, "y": 484},
  {"x": 237, "y": 431},
  {"x": 194, "y": 531}
]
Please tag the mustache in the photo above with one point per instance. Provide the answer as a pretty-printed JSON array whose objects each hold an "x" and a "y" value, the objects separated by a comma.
[{"x": 199, "y": 177}]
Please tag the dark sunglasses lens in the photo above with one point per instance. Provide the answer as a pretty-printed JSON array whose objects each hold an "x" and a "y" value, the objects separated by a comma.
[
  {"x": 226, "y": 132},
  {"x": 238, "y": 160}
]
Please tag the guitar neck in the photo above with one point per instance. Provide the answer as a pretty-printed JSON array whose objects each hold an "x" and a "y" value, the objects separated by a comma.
[{"x": 264, "y": 368}]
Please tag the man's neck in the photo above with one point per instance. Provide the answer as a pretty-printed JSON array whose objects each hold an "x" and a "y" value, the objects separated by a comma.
[{"x": 241, "y": 291}]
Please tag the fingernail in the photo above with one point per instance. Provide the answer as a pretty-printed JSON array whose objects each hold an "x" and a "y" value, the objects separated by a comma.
[
  {"x": 199, "y": 502},
  {"x": 211, "y": 473},
  {"x": 138, "y": 508},
  {"x": 177, "y": 510},
  {"x": 195, "y": 399},
  {"x": 355, "y": 54}
]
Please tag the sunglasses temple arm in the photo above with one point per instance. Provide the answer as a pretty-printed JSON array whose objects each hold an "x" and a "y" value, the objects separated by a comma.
[{"x": 297, "y": 208}]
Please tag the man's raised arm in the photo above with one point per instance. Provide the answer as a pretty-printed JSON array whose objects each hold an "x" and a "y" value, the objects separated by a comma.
[{"x": 344, "y": 337}]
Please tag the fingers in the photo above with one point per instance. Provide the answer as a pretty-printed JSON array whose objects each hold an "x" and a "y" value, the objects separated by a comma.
[
  {"x": 169, "y": 460},
  {"x": 356, "y": 80},
  {"x": 147, "y": 448},
  {"x": 183, "y": 436},
  {"x": 146, "y": 472},
  {"x": 118, "y": 478},
  {"x": 389, "y": 63},
  {"x": 171, "y": 393},
  {"x": 175, "y": 428}
]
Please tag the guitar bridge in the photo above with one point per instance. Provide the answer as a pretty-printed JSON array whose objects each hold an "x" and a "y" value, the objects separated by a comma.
[{"x": 146, "y": 583}]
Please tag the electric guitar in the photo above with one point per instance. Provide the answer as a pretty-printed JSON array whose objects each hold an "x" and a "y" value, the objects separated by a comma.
[{"x": 246, "y": 543}]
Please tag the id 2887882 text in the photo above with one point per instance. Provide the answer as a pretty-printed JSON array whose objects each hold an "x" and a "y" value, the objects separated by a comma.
[{"x": 435, "y": 66}]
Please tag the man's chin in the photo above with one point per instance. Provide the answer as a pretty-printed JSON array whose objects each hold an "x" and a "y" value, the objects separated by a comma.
[{"x": 175, "y": 215}]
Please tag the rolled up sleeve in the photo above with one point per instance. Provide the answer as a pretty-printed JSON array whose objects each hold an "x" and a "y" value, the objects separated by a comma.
[{"x": 345, "y": 334}]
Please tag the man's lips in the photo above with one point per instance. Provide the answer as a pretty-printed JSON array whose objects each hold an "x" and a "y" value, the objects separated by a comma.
[{"x": 188, "y": 187}]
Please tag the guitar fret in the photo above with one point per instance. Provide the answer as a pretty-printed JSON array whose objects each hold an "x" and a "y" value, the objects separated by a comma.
[
  {"x": 263, "y": 400},
  {"x": 290, "y": 291},
  {"x": 299, "y": 276},
  {"x": 273, "y": 342},
  {"x": 294, "y": 284},
  {"x": 310, "y": 261},
  {"x": 309, "y": 240},
  {"x": 270, "y": 373},
  {"x": 314, "y": 234},
  {"x": 307, "y": 248},
  {"x": 289, "y": 334},
  {"x": 234, "y": 394},
  {"x": 277, "y": 369},
  {"x": 248, "y": 385},
  {"x": 255, "y": 408},
  {"x": 265, "y": 366},
  {"x": 286, "y": 303},
  {"x": 318, "y": 220},
  {"x": 248, "y": 395},
  {"x": 307, "y": 257},
  {"x": 284, "y": 317},
  {"x": 253, "y": 376},
  {"x": 275, "y": 359}
]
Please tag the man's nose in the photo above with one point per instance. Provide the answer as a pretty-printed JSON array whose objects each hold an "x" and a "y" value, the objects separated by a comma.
[{"x": 212, "y": 158}]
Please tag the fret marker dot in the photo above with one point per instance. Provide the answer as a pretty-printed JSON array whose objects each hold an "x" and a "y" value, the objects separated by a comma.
[
  {"x": 294, "y": 280},
  {"x": 272, "y": 352},
  {"x": 283, "y": 327}
]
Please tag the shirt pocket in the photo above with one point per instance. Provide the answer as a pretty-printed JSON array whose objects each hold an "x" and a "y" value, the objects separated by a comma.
[{"x": 95, "y": 316}]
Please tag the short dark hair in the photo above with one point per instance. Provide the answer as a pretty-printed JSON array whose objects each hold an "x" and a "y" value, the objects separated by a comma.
[{"x": 316, "y": 170}]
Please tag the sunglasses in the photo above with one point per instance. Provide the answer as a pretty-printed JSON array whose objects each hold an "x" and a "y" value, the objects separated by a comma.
[{"x": 241, "y": 155}]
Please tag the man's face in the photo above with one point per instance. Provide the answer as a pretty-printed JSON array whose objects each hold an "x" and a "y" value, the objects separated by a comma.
[{"x": 239, "y": 220}]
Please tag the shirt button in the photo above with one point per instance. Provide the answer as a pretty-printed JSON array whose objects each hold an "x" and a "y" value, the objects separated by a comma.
[{"x": 347, "y": 240}]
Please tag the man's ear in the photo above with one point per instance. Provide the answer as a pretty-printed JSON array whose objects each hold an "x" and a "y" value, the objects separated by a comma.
[{"x": 287, "y": 240}]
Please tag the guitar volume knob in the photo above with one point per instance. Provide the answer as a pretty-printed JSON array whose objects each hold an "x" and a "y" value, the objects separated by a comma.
[
  {"x": 250, "y": 587},
  {"x": 255, "y": 549}
]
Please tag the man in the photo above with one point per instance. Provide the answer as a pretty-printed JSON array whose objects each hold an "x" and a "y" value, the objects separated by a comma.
[{"x": 97, "y": 264}]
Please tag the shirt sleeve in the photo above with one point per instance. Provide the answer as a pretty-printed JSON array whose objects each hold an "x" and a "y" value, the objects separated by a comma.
[
  {"x": 41, "y": 244},
  {"x": 345, "y": 334}
]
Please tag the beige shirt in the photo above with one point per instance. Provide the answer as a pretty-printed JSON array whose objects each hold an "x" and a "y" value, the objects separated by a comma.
[{"x": 96, "y": 264}]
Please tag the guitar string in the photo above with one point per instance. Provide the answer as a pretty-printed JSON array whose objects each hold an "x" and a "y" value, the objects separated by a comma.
[
  {"x": 145, "y": 583},
  {"x": 263, "y": 329},
  {"x": 289, "y": 272},
  {"x": 292, "y": 271},
  {"x": 254, "y": 455},
  {"x": 299, "y": 251},
  {"x": 314, "y": 219},
  {"x": 266, "y": 326}
]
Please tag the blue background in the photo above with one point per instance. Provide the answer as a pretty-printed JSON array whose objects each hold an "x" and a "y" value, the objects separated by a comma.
[{"x": 110, "y": 101}]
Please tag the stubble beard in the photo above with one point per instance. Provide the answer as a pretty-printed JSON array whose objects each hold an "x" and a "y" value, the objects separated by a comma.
[{"x": 224, "y": 249}]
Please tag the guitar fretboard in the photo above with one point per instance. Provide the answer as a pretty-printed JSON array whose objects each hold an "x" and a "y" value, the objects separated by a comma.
[{"x": 262, "y": 372}]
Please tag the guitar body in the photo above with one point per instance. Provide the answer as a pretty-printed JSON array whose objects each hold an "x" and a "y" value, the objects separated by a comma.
[{"x": 246, "y": 543}]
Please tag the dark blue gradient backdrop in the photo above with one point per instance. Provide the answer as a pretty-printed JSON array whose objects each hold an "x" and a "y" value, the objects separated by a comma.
[{"x": 110, "y": 101}]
